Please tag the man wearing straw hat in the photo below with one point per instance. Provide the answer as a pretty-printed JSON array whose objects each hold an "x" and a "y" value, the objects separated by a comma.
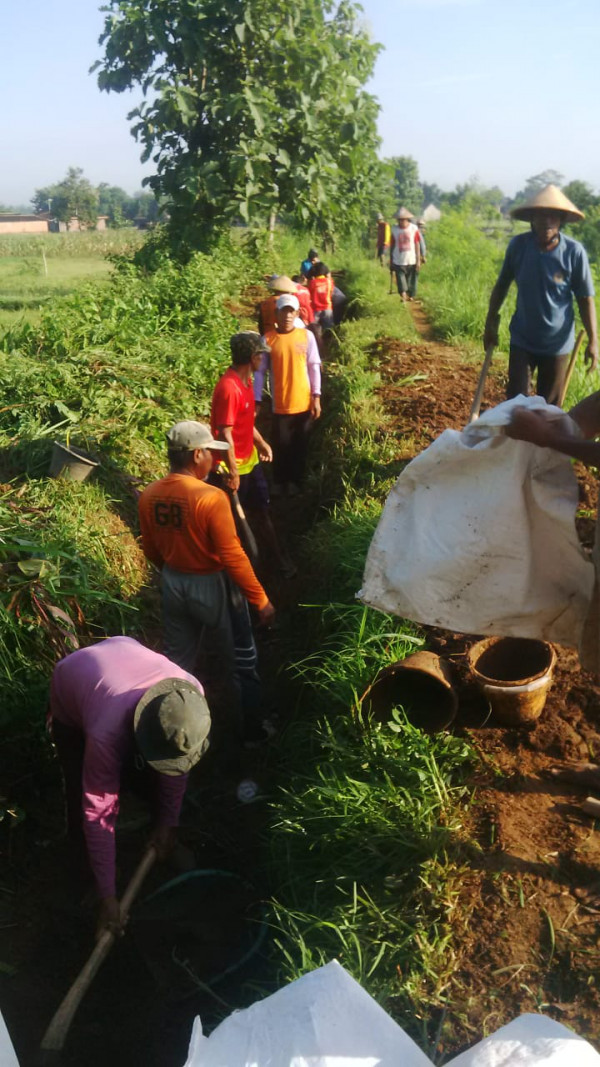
[
  {"x": 405, "y": 256},
  {"x": 278, "y": 284},
  {"x": 549, "y": 269}
]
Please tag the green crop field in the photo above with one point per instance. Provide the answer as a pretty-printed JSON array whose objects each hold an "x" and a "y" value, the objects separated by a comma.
[{"x": 36, "y": 269}]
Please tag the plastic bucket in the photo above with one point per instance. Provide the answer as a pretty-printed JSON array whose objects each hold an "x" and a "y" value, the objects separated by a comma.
[
  {"x": 421, "y": 684},
  {"x": 70, "y": 462},
  {"x": 515, "y": 674}
]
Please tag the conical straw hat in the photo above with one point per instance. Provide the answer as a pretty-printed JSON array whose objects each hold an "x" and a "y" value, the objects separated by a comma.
[
  {"x": 282, "y": 284},
  {"x": 403, "y": 213},
  {"x": 550, "y": 198}
]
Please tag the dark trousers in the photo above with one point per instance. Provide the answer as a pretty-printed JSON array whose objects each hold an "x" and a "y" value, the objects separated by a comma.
[
  {"x": 406, "y": 279},
  {"x": 290, "y": 435},
  {"x": 551, "y": 372}
]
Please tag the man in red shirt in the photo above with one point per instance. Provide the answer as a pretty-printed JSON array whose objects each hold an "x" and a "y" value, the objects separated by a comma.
[{"x": 232, "y": 420}]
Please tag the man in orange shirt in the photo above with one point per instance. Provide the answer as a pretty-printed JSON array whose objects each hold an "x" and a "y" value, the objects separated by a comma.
[
  {"x": 278, "y": 283},
  {"x": 188, "y": 532},
  {"x": 295, "y": 370}
]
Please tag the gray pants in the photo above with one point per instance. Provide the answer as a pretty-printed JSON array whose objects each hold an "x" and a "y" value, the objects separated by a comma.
[{"x": 209, "y": 609}]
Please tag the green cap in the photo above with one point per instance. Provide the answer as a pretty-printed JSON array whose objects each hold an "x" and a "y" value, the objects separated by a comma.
[{"x": 171, "y": 725}]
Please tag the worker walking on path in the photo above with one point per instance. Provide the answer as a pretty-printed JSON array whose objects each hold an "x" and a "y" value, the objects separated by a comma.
[
  {"x": 384, "y": 235},
  {"x": 320, "y": 287},
  {"x": 549, "y": 269},
  {"x": 111, "y": 704},
  {"x": 232, "y": 420},
  {"x": 188, "y": 532},
  {"x": 295, "y": 371},
  {"x": 278, "y": 283},
  {"x": 405, "y": 255},
  {"x": 308, "y": 263}
]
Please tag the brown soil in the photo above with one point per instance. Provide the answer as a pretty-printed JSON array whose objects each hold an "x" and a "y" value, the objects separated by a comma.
[{"x": 526, "y": 934}]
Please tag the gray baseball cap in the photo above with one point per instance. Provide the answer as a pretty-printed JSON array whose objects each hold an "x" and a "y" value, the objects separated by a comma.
[
  {"x": 171, "y": 724},
  {"x": 184, "y": 436}
]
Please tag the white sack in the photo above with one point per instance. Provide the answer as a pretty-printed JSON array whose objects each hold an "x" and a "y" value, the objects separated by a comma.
[
  {"x": 530, "y": 1041},
  {"x": 478, "y": 535},
  {"x": 324, "y": 1019},
  {"x": 7, "y": 1053}
]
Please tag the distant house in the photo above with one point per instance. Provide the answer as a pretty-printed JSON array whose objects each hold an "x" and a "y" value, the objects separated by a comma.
[
  {"x": 431, "y": 214},
  {"x": 44, "y": 223},
  {"x": 10, "y": 223}
]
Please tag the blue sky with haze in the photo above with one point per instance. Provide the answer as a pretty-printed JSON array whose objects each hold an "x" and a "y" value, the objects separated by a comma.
[{"x": 500, "y": 89}]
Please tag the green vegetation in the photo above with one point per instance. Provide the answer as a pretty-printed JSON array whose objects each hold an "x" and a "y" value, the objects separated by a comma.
[
  {"x": 249, "y": 110},
  {"x": 366, "y": 829}
]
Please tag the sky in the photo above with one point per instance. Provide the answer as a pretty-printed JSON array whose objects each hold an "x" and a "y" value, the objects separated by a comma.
[{"x": 494, "y": 89}]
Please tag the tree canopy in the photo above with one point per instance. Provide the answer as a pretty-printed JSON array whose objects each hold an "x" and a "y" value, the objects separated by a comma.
[
  {"x": 73, "y": 196},
  {"x": 251, "y": 109}
]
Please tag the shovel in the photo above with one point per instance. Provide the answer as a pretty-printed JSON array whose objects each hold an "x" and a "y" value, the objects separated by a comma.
[
  {"x": 481, "y": 385},
  {"x": 56, "y": 1034}
]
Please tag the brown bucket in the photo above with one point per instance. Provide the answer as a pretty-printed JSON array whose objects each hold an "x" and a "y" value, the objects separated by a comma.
[
  {"x": 421, "y": 684},
  {"x": 515, "y": 674}
]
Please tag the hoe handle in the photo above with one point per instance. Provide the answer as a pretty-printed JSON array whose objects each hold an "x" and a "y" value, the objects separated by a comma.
[
  {"x": 570, "y": 368},
  {"x": 249, "y": 537},
  {"x": 55, "y": 1036},
  {"x": 481, "y": 385}
]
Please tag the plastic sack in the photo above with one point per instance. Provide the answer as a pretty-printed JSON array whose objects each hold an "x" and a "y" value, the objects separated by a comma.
[
  {"x": 324, "y": 1019},
  {"x": 7, "y": 1053},
  {"x": 530, "y": 1041},
  {"x": 478, "y": 535}
]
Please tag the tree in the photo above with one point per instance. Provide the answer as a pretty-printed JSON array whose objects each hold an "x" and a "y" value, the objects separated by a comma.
[
  {"x": 432, "y": 194},
  {"x": 582, "y": 195},
  {"x": 534, "y": 184},
  {"x": 251, "y": 109},
  {"x": 113, "y": 201},
  {"x": 73, "y": 196},
  {"x": 406, "y": 179}
]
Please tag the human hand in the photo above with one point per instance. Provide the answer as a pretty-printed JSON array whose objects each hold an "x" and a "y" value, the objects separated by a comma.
[
  {"x": 266, "y": 614},
  {"x": 532, "y": 426},
  {"x": 591, "y": 356},
  {"x": 110, "y": 919},
  {"x": 315, "y": 407},
  {"x": 265, "y": 452},
  {"x": 232, "y": 481},
  {"x": 163, "y": 839}
]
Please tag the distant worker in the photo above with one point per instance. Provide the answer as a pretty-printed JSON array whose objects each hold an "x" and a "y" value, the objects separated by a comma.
[
  {"x": 420, "y": 239},
  {"x": 295, "y": 371},
  {"x": 232, "y": 420},
  {"x": 108, "y": 703},
  {"x": 384, "y": 235},
  {"x": 278, "y": 283},
  {"x": 405, "y": 255},
  {"x": 306, "y": 309},
  {"x": 320, "y": 287},
  {"x": 207, "y": 581},
  {"x": 308, "y": 263},
  {"x": 549, "y": 269}
]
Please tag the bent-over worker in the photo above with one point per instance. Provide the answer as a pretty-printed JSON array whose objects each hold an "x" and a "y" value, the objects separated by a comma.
[{"x": 108, "y": 703}]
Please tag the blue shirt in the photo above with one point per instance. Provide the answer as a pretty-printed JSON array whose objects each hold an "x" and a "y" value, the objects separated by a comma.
[{"x": 544, "y": 322}]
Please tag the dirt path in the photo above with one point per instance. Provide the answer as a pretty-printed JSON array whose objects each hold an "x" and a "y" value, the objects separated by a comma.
[{"x": 525, "y": 939}]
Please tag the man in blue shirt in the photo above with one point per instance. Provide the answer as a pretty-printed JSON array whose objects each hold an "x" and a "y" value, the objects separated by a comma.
[{"x": 549, "y": 270}]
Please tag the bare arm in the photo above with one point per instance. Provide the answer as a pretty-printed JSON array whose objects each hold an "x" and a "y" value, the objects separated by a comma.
[
  {"x": 587, "y": 415},
  {"x": 532, "y": 426},
  {"x": 492, "y": 322},
  {"x": 234, "y": 479},
  {"x": 587, "y": 310}
]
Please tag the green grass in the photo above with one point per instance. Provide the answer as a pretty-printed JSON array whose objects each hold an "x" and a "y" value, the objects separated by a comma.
[{"x": 366, "y": 830}]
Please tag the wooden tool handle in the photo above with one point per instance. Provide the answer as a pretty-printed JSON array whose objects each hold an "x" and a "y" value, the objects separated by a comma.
[
  {"x": 55, "y": 1036},
  {"x": 481, "y": 385},
  {"x": 570, "y": 368}
]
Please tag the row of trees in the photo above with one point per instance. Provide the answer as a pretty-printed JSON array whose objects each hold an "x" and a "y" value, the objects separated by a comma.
[{"x": 75, "y": 196}]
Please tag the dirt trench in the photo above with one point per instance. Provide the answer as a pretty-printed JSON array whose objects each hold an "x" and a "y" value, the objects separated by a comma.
[{"x": 527, "y": 928}]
